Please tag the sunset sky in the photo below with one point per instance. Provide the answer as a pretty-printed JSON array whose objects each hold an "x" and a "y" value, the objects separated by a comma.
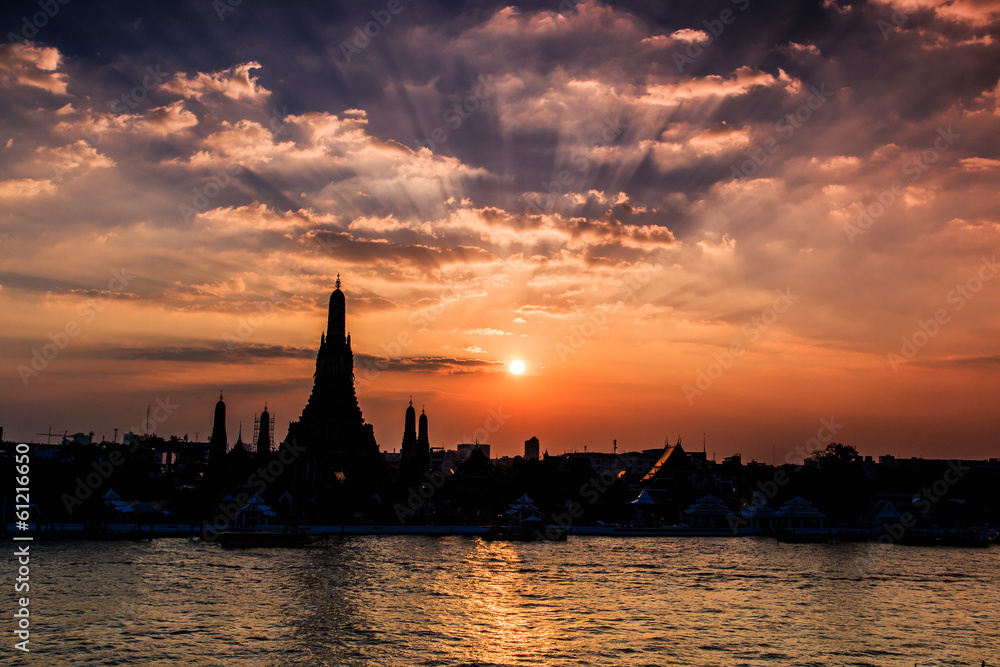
[{"x": 735, "y": 218}]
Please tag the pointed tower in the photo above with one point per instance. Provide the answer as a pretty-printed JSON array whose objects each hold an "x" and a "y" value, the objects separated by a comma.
[
  {"x": 423, "y": 442},
  {"x": 332, "y": 430},
  {"x": 218, "y": 442},
  {"x": 264, "y": 433},
  {"x": 239, "y": 440},
  {"x": 239, "y": 456},
  {"x": 408, "y": 449}
]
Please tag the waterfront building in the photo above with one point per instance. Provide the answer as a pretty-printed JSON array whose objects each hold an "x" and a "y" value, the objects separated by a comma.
[
  {"x": 708, "y": 512},
  {"x": 798, "y": 514},
  {"x": 758, "y": 515}
]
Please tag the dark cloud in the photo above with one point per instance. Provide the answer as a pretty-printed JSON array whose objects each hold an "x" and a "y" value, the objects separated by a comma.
[
  {"x": 988, "y": 362},
  {"x": 447, "y": 365},
  {"x": 237, "y": 352}
]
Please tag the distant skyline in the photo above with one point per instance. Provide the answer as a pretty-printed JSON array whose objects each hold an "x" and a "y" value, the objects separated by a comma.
[{"x": 734, "y": 218}]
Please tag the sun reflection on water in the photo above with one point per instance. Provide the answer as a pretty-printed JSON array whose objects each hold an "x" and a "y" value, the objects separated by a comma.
[
  {"x": 451, "y": 600},
  {"x": 499, "y": 581}
]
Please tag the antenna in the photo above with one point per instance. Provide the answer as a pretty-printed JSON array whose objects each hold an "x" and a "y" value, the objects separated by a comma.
[
  {"x": 702, "y": 442},
  {"x": 49, "y": 434}
]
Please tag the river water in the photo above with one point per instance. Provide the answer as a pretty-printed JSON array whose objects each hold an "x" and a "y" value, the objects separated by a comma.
[{"x": 462, "y": 601}]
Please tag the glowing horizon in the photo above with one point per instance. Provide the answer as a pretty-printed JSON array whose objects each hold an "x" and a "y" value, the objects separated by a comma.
[{"x": 689, "y": 225}]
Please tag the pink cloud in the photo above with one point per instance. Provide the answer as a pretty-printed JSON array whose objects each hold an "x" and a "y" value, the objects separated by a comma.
[
  {"x": 236, "y": 83},
  {"x": 29, "y": 65}
]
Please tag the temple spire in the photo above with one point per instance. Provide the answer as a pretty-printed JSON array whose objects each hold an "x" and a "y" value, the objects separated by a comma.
[
  {"x": 336, "y": 325},
  {"x": 218, "y": 441}
]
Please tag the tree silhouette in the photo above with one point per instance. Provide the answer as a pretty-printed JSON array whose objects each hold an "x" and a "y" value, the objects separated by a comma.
[{"x": 835, "y": 453}]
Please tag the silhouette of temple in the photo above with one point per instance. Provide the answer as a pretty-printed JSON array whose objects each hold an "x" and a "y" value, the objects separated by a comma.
[
  {"x": 331, "y": 440},
  {"x": 408, "y": 450},
  {"x": 415, "y": 453},
  {"x": 264, "y": 435},
  {"x": 423, "y": 443},
  {"x": 240, "y": 445},
  {"x": 218, "y": 443}
]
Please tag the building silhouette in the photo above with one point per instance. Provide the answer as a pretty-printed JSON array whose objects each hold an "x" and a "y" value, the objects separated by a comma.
[
  {"x": 423, "y": 442},
  {"x": 331, "y": 442},
  {"x": 531, "y": 448},
  {"x": 218, "y": 442},
  {"x": 415, "y": 453},
  {"x": 408, "y": 449},
  {"x": 240, "y": 445},
  {"x": 264, "y": 435},
  {"x": 239, "y": 456}
]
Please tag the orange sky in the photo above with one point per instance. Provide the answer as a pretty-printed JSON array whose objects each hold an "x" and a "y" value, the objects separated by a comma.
[{"x": 583, "y": 217}]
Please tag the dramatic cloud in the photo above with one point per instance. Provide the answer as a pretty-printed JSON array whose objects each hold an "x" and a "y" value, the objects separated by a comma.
[
  {"x": 612, "y": 193},
  {"x": 31, "y": 65}
]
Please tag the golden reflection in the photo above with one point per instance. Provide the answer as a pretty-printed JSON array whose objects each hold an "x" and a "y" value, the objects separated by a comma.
[{"x": 499, "y": 603}]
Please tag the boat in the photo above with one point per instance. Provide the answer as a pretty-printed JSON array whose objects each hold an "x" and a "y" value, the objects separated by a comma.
[{"x": 251, "y": 529}]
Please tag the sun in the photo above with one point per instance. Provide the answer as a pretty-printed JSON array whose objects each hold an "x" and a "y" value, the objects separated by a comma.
[{"x": 517, "y": 367}]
